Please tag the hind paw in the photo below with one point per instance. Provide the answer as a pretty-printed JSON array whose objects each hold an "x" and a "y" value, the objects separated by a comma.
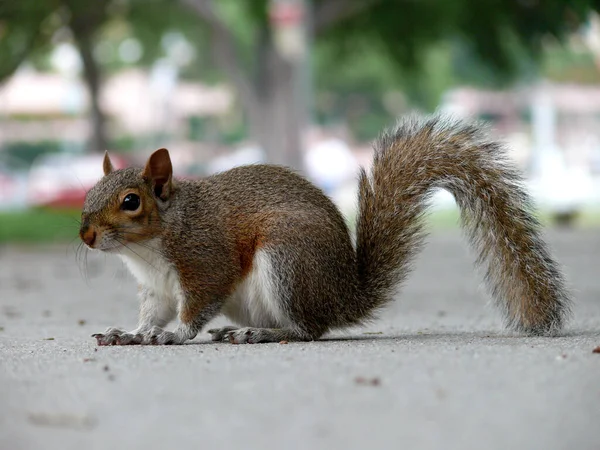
[{"x": 221, "y": 334}]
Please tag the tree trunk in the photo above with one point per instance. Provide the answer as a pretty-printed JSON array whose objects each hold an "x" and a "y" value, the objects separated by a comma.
[
  {"x": 272, "y": 103},
  {"x": 98, "y": 141},
  {"x": 86, "y": 18},
  {"x": 275, "y": 118}
]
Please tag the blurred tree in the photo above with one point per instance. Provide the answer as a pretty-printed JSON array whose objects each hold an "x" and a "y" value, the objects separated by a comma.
[
  {"x": 370, "y": 95},
  {"x": 22, "y": 31},
  {"x": 29, "y": 29},
  {"x": 500, "y": 35},
  {"x": 85, "y": 20},
  {"x": 419, "y": 44}
]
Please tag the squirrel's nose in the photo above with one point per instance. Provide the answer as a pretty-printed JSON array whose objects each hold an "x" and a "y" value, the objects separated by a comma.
[{"x": 88, "y": 235}]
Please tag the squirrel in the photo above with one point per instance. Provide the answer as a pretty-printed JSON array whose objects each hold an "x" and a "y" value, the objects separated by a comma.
[{"x": 268, "y": 249}]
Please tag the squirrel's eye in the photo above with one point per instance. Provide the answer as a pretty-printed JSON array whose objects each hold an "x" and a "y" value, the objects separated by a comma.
[{"x": 131, "y": 202}]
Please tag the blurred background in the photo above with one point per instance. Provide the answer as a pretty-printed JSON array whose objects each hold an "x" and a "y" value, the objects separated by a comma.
[{"x": 306, "y": 83}]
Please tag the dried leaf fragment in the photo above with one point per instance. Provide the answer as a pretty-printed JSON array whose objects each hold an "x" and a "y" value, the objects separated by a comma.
[{"x": 368, "y": 381}]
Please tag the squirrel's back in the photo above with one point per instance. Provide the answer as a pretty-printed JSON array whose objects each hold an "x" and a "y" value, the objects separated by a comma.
[
  {"x": 260, "y": 186},
  {"x": 249, "y": 199}
]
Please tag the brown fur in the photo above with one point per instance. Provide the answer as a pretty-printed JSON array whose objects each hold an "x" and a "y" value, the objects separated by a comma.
[{"x": 210, "y": 230}]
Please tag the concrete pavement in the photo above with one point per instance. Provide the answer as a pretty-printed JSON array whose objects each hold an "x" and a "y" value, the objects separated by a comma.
[{"x": 437, "y": 371}]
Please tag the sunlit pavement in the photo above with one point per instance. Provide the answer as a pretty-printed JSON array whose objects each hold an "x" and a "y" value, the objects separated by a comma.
[{"x": 437, "y": 371}]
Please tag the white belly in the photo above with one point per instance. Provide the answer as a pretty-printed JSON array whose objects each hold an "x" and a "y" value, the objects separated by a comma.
[{"x": 256, "y": 303}]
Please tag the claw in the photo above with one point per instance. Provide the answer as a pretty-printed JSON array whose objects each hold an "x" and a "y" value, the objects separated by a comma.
[
  {"x": 99, "y": 339},
  {"x": 155, "y": 336},
  {"x": 221, "y": 334}
]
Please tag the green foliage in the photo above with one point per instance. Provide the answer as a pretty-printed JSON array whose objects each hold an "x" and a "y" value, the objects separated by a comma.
[
  {"x": 367, "y": 48},
  {"x": 356, "y": 93},
  {"x": 565, "y": 65},
  {"x": 25, "y": 28},
  {"x": 150, "y": 21},
  {"x": 29, "y": 151},
  {"x": 213, "y": 129},
  {"x": 492, "y": 28},
  {"x": 39, "y": 225},
  {"x": 424, "y": 48},
  {"x": 30, "y": 28},
  {"x": 123, "y": 143}
]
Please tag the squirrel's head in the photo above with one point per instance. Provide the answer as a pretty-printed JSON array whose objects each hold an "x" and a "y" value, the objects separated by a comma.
[{"x": 124, "y": 206}]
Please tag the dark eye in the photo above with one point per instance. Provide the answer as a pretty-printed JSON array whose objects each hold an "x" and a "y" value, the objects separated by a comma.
[{"x": 131, "y": 202}]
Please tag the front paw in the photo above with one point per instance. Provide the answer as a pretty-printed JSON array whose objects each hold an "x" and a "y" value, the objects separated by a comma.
[
  {"x": 153, "y": 336},
  {"x": 114, "y": 336},
  {"x": 158, "y": 336}
]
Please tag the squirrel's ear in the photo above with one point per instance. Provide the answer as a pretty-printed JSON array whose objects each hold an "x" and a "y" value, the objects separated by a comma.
[
  {"x": 159, "y": 172},
  {"x": 107, "y": 164}
]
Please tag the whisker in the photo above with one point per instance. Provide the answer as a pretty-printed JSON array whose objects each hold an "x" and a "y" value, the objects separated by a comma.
[
  {"x": 86, "y": 265},
  {"x": 70, "y": 245},
  {"x": 124, "y": 244},
  {"x": 81, "y": 257},
  {"x": 154, "y": 250},
  {"x": 77, "y": 221},
  {"x": 58, "y": 226},
  {"x": 135, "y": 233},
  {"x": 129, "y": 227},
  {"x": 141, "y": 243},
  {"x": 85, "y": 191}
]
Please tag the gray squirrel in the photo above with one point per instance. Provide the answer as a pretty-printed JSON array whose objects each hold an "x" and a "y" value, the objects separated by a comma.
[{"x": 266, "y": 248}]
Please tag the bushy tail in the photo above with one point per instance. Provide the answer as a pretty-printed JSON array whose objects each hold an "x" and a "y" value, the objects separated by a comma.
[{"x": 419, "y": 156}]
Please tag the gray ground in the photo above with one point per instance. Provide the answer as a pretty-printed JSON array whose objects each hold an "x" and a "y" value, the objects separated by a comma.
[{"x": 446, "y": 375}]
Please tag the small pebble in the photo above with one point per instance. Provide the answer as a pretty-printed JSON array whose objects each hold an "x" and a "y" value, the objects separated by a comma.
[{"x": 368, "y": 381}]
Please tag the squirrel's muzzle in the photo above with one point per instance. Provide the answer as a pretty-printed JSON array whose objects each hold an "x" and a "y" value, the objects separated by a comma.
[{"x": 88, "y": 234}]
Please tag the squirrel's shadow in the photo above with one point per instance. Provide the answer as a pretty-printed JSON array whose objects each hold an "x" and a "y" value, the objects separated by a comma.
[
  {"x": 456, "y": 335},
  {"x": 449, "y": 336}
]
